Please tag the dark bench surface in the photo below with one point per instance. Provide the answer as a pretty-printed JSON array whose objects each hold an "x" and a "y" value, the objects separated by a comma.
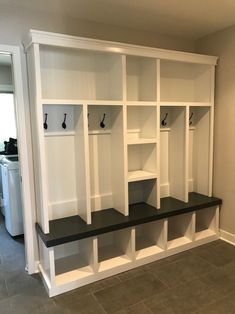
[{"x": 73, "y": 228}]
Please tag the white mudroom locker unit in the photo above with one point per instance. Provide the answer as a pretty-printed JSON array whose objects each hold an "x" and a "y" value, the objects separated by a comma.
[{"x": 123, "y": 147}]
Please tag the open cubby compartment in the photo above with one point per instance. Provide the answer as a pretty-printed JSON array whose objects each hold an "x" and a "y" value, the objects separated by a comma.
[
  {"x": 181, "y": 81},
  {"x": 80, "y": 74},
  {"x": 141, "y": 78},
  {"x": 206, "y": 222},
  {"x": 200, "y": 157},
  {"x": 141, "y": 124},
  {"x": 66, "y": 162},
  {"x": 150, "y": 239},
  {"x": 115, "y": 249},
  {"x": 142, "y": 162},
  {"x": 143, "y": 192},
  {"x": 173, "y": 152},
  {"x": 73, "y": 261},
  {"x": 106, "y": 149},
  {"x": 180, "y": 230}
]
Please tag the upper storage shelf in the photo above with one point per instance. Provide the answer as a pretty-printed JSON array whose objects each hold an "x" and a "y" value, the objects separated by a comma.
[
  {"x": 141, "y": 79},
  {"x": 185, "y": 82},
  {"x": 80, "y": 74}
]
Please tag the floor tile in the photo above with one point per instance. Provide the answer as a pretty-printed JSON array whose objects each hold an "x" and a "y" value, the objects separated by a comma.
[
  {"x": 182, "y": 270},
  {"x": 225, "y": 305},
  {"x": 219, "y": 254}
]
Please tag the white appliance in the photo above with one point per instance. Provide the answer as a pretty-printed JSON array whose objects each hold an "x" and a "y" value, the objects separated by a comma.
[{"x": 12, "y": 195}]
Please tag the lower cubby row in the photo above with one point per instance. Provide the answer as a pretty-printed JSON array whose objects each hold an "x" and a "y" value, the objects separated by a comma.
[{"x": 68, "y": 266}]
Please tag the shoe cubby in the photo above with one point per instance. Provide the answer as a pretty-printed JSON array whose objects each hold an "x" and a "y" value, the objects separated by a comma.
[
  {"x": 68, "y": 262},
  {"x": 150, "y": 239},
  {"x": 65, "y": 161},
  {"x": 182, "y": 81},
  {"x": 173, "y": 152},
  {"x": 141, "y": 78},
  {"x": 200, "y": 158},
  {"x": 80, "y": 74},
  {"x": 114, "y": 249},
  {"x": 206, "y": 223},
  {"x": 106, "y": 158},
  {"x": 142, "y": 162},
  {"x": 143, "y": 192},
  {"x": 141, "y": 124},
  {"x": 180, "y": 230}
]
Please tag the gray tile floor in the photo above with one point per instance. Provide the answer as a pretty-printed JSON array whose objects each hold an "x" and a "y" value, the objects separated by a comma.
[{"x": 200, "y": 281}]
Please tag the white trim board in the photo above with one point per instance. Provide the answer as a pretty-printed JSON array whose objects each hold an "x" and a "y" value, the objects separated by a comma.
[
  {"x": 23, "y": 137},
  {"x": 227, "y": 237},
  {"x": 61, "y": 40}
]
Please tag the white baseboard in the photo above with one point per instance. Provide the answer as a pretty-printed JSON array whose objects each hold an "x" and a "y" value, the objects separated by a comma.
[{"x": 228, "y": 237}]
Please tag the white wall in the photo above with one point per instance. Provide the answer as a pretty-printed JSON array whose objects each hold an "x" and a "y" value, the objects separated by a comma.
[
  {"x": 222, "y": 44},
  {"x": 16, "y": 21}
]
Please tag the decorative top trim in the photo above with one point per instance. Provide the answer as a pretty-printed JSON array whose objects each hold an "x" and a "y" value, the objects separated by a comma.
[{"x": 61, "y": 40}]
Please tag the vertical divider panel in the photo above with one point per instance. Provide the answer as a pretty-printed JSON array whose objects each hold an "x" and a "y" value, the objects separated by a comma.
[
  {"x": 177, "y": 154},
  {"x": 193, "y": 226},
  {"x": 82, "y": 163},
  {"x": 118, "y": 146},
  {"x": 210, "y": 174},
  {"x": 36, "y": 112},
  {"x": 189, "y": 227},
  {"x": 95, "y": 255},
  {"x": 163, "y": 240},
  {"x": 215, "y": 222},
  {"x": 52, "y": 265},
  {"x": 124, "y": 87},
  {"x": 133, "y": 244},
  {"x": 186, "y": 169},
  {"x": 158, "y": 133},
  {"x": 125, "y": 155}
]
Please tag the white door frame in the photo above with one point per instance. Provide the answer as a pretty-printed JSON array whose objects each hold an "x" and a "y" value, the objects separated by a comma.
[{"x": 24, "y": 151}]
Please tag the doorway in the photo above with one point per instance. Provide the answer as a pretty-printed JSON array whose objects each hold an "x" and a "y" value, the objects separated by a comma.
[{"x": 18, "y": 90}]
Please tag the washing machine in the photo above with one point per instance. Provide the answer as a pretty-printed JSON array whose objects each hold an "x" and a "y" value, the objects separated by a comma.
[{"x": 12, "y": 195}]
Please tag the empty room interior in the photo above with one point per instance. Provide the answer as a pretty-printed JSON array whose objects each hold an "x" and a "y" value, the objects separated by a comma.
[{"x": 117, "y": 156}]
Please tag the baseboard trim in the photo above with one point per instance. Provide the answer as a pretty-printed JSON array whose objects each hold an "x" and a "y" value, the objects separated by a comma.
[{"x": 228, "y": 237}]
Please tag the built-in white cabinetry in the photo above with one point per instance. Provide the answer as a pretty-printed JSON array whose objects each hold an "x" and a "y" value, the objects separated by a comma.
[{"x": 123, "y": 144}]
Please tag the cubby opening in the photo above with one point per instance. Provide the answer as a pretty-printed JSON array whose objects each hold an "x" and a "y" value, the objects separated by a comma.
[
  {"x": 106, "y": 149},
  {"x": 181, "y": 81},
  {"x": 206, "y": 224},
  {"x": 199, "y": 150},
  {"x": 114, "y": 249},
  {"x": 143, "y": 192},
  {"x": 65, "y": 161},
  {"x": 73, "y": 260},
  {"x": 150, "y": 239},
  {"x": 142, "y": 162},
  {"x": 141, "y": 124},
  {"x": 80, "y": 74},
  {"x": 141, "y": 78},
  {"x": 173, "y": 152},
  {"x": 180, "y": 230}
]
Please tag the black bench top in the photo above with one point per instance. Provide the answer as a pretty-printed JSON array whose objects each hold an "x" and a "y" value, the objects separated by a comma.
[{"x": 73, "y": 228}]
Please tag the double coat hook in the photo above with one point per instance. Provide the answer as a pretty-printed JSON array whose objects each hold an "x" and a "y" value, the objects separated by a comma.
[
  {"x": 45, "y": 125},
  {"x": 64, "y": 126},
  {"x": 190, "y": 119},
  {"x": 102, "y": 125},
  {"x": 163, "y": 122}
]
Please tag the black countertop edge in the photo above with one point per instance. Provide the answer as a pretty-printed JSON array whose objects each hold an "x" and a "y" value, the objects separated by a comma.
[{"x": 53, "y": 239}]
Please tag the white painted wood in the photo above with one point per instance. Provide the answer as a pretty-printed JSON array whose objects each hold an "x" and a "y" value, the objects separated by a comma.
[
  {"x": 140, "y": 175},
  {"x": 180, "y": 230},
  {"x": 206, "y": 219},
  {"x": 41, "y": 190},
  {"x": 200, "y": 150},
  {"x": 79, "y": 74},
  {"x": 173, "y": 152},
  {"x": 82, "y": 163},
  {"x": 185, "y": 82},
  {"x": 184, "y": 103},
  {"x": 143, "y": 191},
  {"x": 61, "y": 40},
  {"x": 141, "y": 78},
  {"x": 143, "y": 119}
]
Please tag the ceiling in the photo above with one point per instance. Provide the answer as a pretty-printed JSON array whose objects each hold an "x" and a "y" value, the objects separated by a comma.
[{"x": 191, "y": 19}]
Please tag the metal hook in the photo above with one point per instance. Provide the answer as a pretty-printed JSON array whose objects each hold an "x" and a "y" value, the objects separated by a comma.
[
  {"x": 64, "y": 126},
  {"x": 164, "y": 123},
  {"x": 45, "y": 125},
  {"x": 102, "y": 125},
  {"x": 190, "y": 118}
]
